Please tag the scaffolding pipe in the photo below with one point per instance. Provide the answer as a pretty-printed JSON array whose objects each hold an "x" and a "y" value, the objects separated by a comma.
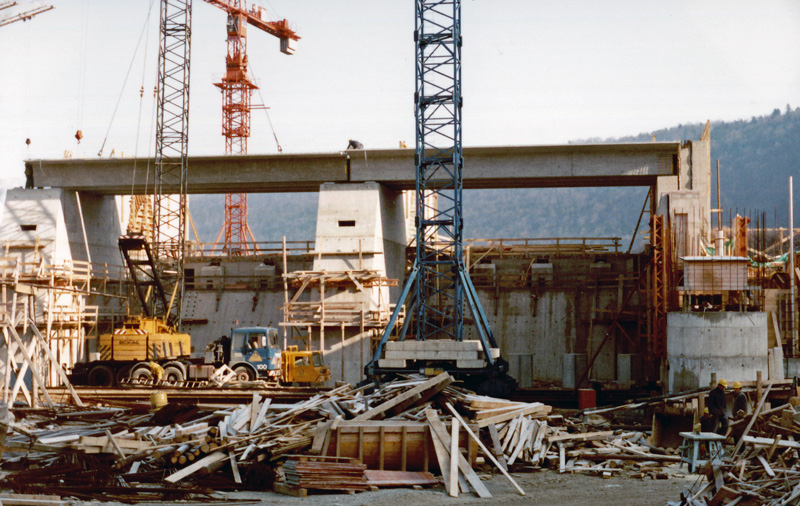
[{"x": 791, "y": 269}]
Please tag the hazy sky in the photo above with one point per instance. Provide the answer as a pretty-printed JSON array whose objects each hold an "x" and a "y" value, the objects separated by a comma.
[{"x": 534, "y": 72}]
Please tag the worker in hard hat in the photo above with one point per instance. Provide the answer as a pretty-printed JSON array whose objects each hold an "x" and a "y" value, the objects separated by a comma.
[
  {"x": 716, "y": 406},
  {"x": 156, "y": 371},
  {"x": 741, "y": 403},
  {"x": 707, "y": 422}
]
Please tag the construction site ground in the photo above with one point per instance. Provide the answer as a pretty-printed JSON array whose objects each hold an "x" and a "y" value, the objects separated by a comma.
[{"x": 541, "y": 487}]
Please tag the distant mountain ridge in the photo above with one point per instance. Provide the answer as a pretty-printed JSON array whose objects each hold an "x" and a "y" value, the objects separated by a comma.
[{"x": 757, "y": 156}]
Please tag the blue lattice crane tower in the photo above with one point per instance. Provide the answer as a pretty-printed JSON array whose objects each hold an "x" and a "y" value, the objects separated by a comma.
[{"x": 439, "y": 284}]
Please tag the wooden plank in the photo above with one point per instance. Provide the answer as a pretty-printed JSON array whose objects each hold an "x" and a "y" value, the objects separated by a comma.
[
  {"x": 766, "y": 466},
  {"x": 444, "y": 460},
  {"x": 498, "y": 451},
  {"x": 196, "y": 466},
  {"x": 768, "y": 442},
  {"x": 512, "y": 428},
  {"x": 114, "y": 444},
  {"x": 536, "y": 407},
  {"x": 281, "y": 488},
  {"x": 523, "y": 440},
  {"x": 453, "y": 461},
  {"x": 774, "y": 445},
  {"x": 440, "y": 431},
  {"x": 104, "y": 441},
  {"x": 482, "y": 447},
  {"x": 403, "y": 447},
  {"x": 399, "y": 478},
  {"x": 56, "y": 364},
  {"x": 586, "y": 436},
  {"x": 752, "y": 421},
  {"x": 30, "y": 500},
  {"x": 722, "y": 494},
  {"x": 434, "y": 385},
  {"x": 320, "y": 434},
  {"x": 254, "y": 409},
  {"x": 237, "y": 478}
]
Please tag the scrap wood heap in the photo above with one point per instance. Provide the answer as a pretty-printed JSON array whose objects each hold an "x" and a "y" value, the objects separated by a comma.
[
  {"x": 763, "y": 468},
  {"x": 360, "y": 437}
]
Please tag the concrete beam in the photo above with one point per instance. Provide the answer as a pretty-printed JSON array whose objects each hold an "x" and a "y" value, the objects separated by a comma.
[{"x": 634, "y": 164}]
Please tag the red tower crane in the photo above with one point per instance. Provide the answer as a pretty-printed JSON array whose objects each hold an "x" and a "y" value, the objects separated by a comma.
[{"x": 237, "y": 89}]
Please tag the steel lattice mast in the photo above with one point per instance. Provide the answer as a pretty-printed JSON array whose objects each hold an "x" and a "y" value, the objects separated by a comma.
[
  {"x": 438, "y": 284},
  {"x": 172, "y": 140},
  {"x": 437, "y": 106}
]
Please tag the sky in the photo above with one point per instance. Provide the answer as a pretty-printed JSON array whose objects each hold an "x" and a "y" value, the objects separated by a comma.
[{"x": 534, "y": 72}]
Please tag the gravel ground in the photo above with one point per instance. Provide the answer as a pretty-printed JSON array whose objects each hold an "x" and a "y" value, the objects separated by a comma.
[{"x": 542, "y": 488}]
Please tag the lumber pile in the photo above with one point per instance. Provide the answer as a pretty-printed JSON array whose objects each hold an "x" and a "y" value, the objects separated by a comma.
[
  {"x": 346, "y": 439},
  {"x": 325, "y": 473},
  {"x": 766, "y": 472},
  {"x": 762, "y": 468}
]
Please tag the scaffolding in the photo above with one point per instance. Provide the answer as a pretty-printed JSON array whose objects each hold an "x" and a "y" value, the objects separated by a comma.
[{"x": 45, "y": 322}]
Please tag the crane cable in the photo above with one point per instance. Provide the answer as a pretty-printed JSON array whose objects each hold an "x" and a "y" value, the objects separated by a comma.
[
  {"x": 137, "y": 203},
  {"x": 122, "y": 90},
  {"x": 141, "y": 102},
  {"x": 274, "y": 134},
  {"x": 82, "y": 48}
]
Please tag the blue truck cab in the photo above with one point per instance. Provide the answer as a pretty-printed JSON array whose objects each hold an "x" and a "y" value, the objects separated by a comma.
[{"x": 255, "y": 353}]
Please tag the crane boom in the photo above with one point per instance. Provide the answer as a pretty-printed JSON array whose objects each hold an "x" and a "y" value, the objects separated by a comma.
[
  {"x": 22, "y": 16},
  {"x": 172, "y": 144},
  {"x": 278, "y": 29}
]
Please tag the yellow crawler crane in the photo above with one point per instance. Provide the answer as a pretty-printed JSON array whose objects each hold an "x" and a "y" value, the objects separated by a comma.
[
  {"x": 142, "y": 338},
  {"x": 139, "y": 339}
]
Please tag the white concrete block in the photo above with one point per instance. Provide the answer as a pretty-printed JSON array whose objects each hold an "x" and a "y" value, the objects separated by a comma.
[
  {"x": 470, "y": 364},
  {"x": 409, "y": 345},
  {"x": 431, "y": 355},
  {"x": 392, "y": 364},
  {"x": 495, "y": 353}
]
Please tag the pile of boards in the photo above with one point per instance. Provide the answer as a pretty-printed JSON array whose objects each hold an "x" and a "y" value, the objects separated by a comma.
[
  {"x": 359, "y": 438},
  {"x": 325, "y": 473},
  {"x": 762, "y": 468}
]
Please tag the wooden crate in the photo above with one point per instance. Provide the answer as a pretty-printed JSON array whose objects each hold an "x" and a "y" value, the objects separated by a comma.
[{"x": 391, "y": 445}]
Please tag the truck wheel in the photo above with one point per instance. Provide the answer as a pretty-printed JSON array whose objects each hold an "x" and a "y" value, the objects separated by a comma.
[
  {"x": 101, "y": 376},
  {"x": 243, "y": 373},
  {"x": 141, "y": 372},
  {"x": 122, "y": 375},
  {"x": 173, "y": 374}
]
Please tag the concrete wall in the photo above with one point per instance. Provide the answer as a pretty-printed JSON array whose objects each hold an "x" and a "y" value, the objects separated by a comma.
[
  {"x": 537, "y": 325},
  {"x": 101, "y": 221},
  {"x": 226, "y": 310},
  {"x": 365, "y": 217},
  {"x": 35, "y": 217},
  {"x": 732, "y": 345}
]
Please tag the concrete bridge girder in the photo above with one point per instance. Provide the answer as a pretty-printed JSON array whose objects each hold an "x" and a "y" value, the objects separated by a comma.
[{"x": 633, "y": 164}]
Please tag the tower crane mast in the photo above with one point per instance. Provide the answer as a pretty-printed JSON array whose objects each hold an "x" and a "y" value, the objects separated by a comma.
[
  {"x": 439, "y": 285},
  {"x": 237, "y": 89}
]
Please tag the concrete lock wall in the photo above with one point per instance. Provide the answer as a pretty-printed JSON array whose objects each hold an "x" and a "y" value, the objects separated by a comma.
[{"x": 731, "y": 344}]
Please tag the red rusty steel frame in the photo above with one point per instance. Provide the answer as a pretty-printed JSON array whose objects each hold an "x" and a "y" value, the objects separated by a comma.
[{"x": 658, "y": 285}]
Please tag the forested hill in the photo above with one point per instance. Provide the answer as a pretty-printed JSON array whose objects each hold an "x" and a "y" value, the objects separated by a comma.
[{"x": 756, "y": 155}]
